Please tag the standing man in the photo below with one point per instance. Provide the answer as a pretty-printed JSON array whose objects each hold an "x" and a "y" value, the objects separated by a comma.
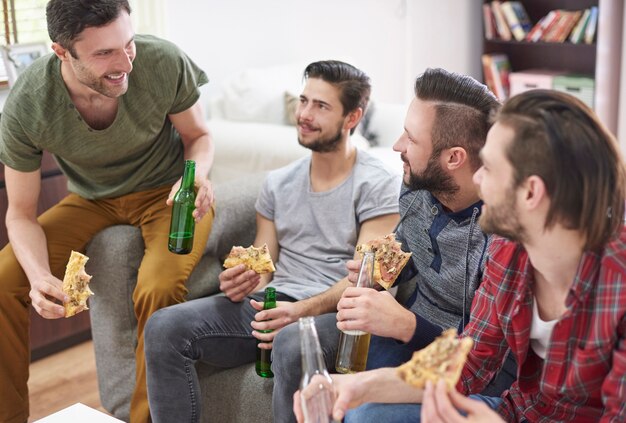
[
  {"x": 554, "y": 184},
  {"x": 311, "y": 214},
  {"x": 445, "y": 128},
  {"x": 120, "y": 113}
]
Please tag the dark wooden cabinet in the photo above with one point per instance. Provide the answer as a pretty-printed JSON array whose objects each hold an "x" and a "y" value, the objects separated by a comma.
[
  {"x": 600, "y": 60},
  {"x": 48, "y": 336}
]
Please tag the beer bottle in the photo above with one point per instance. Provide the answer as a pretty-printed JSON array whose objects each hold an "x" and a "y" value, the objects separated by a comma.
[
  {"x": 316, "y": 386},
  {"x": 354, "y": 344},
  {"x": 183, "y": 224},
  {"x": 264, "y": 357}
]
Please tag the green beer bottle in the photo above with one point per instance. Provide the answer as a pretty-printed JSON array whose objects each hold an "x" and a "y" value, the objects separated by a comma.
[
  {"x": 264, "y": 357},
  {"x": 183, "y": 224}
]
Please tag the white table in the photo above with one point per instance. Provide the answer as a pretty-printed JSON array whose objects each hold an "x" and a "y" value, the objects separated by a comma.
[{"x": 78, "y": 413}]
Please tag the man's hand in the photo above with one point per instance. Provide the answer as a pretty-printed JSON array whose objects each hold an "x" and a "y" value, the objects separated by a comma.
[
  {"x": 237, "y": 282},
  {"x": 274, "y": 319},
  {"x": 354, "y": 266},
  {"x": 41, "y": 291},
  {"x": 204, "y": 196},
  {"x": 374, "y": 312},
  {"x": 441, "y": 406}
]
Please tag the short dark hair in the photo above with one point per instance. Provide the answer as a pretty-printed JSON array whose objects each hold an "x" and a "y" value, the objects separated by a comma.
[
  {"x": 560, "y": 139},
  {"x": 68, "y": 18},
  {"x": 464, "y": 109},
  {"x": 354, "y": 85}
]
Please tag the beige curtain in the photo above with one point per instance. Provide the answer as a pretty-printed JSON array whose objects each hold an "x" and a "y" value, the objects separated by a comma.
[{"x": 149, "y": 16}]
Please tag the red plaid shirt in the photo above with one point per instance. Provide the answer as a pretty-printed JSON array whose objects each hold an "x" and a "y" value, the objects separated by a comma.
[{"x": 583, "y": 377}]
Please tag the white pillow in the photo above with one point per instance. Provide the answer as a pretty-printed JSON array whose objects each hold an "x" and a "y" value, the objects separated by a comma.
[{"x": 257, "y": 95}]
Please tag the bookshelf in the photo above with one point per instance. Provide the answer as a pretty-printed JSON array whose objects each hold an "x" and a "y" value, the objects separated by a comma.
[{"x": 600, "y": 60}]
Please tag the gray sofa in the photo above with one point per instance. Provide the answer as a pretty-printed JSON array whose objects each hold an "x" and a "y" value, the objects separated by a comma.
[{"x": 228, "y": 395}]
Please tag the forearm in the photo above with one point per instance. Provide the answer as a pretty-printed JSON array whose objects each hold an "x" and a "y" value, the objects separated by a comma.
[
  {"x": 201, "y": 150},
  {"x": 29, "y": 245},
  {"x": 385, "y": 386},
  {"x": 326, "y": 302}
]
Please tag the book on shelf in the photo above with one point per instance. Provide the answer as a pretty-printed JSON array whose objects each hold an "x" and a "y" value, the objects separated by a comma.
[
  {"x": 590, "y": 29},
  {"x": 558, "y": 32},
  {"x": 517, "y": 19},
  {"x": 496, "y": 68},
  {"x": 544, "y": 24},
  {"x": 579, "y": 30},
  {"x": 489, "y": 22},
  {"x": 501, "y": 26}
]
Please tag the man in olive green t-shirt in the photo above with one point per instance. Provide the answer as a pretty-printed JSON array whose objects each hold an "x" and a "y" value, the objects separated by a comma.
[{"x": 121, "y": 139}]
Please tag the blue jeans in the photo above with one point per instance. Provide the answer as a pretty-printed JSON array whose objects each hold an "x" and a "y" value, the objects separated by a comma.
[
  {"x": 287, "y": 362},
  {"x": 214, "y": 330},
  {"x": 400, "y": 413}
]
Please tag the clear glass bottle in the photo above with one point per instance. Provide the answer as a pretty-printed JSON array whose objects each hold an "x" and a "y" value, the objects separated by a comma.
[
  {"x": 354, "y": 344},
  {"x": 316, "y": 386},
  {"x": 183, "y": 224},
  {"x": 264, "y": 357}
]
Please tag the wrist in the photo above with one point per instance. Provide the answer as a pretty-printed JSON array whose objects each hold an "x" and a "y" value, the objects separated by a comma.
[{"x": 407, "y": 326}]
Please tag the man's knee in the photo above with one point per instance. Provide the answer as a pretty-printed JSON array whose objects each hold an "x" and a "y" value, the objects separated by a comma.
[
  {"x": 286, "y": 348},
  {"x": 165, "y": 331}
]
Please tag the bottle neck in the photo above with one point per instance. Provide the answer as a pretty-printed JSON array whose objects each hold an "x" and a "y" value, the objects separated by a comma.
[
  {"x": 366, "y": 273},
  {"x": 312, "y": 358},
  {"x": 188, "y": 176}
]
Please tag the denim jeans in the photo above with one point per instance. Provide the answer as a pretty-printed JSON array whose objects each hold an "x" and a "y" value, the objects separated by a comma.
[
  {"x": 287, "y": 362},
  {"x": 400, "y": 413},
  {"x": 214, "y": 330}
]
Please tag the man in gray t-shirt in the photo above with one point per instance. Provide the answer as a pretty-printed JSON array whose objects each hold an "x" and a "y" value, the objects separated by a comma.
[{"x": 311, "y": 214}]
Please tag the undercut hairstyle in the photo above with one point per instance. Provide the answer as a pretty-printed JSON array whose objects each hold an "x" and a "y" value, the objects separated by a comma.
[
  {"x": 464, "y": 110},
  {"x": 66, "y": 19},
  {"x": 559, "y": 139},
  {"x": 353, "y": 84}
]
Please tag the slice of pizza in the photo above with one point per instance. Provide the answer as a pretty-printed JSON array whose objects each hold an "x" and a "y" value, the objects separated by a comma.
[
  {"x": 443, "y": 359},
  {"x": 76, "y": 284},
  {"x": 257, "y": 259},
  {"x": 389, "y": 259}
]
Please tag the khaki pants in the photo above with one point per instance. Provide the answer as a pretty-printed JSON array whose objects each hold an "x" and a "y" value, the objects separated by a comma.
[{"x": 69, "y": 226}]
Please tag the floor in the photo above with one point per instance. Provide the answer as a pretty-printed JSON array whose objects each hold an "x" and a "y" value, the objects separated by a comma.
[{"x": 63, "y": 379}]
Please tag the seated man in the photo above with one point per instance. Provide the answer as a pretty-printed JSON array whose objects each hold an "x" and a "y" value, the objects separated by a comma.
[
  {"x": 445, "y": 128},
  {"x": 86, "y": 104},
  {"x": 554, "y": 184},
  {"x": 311, "y": 214}
]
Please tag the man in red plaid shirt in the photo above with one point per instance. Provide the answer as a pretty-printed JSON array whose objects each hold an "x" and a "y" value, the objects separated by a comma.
[{"x": 554, "y": 291}]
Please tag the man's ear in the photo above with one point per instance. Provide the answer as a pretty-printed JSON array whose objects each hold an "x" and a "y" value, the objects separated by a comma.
[
  {"x": 61, "y": 52},
  {"x": 353, "y": 118},
  {"x": 454, "y": 157},
  {"x": 534, "y": 192}
]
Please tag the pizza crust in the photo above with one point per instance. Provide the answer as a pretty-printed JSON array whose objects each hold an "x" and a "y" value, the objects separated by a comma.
[
  {"x": 389, "y": 259},
  {"x": 257, "y": 259},
  {"x": 443, "y": 359},
  {"x": 76, "y": 284}
]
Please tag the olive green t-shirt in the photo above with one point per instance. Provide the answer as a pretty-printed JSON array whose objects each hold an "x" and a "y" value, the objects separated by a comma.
[{"x": 140, "y": 150}]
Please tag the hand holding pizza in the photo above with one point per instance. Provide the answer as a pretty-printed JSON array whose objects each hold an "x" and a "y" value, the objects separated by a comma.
[
  {"x": 237, "y": 282},
  {"x": 441, "y": 406},
  {"x": 41, "y": 292}
]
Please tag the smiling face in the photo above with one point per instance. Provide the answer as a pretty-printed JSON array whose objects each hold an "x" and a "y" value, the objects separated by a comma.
[
  {"x": 422, "y": 164},
  {"x": 103, "y": 56},
  {"x": 319, "y": 115},
  {"x": 494, "y": 179}
]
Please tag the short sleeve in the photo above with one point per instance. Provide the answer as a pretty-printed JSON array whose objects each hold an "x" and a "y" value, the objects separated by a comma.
[
  {"x": 190, "y": 78},
  {"x": 17, "y": 150},
  {"x": 379, "y": 197},
  {"x": 266, "y": 200}
]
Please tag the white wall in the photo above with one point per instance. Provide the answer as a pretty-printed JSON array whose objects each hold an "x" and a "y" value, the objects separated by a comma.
[{"x": 392, "y": 40}]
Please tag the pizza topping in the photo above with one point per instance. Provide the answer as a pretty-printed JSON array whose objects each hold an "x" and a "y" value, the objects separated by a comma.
[
  {"x": 443, "y": 359},
  {"x": 76, "y": 284},
  {"x": 389, "y": 259},
  {"x": 257, "y": 259}
]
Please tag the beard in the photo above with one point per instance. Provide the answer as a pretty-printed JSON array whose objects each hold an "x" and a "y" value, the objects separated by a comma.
[
  {"x": 502, "y": 219},
  {"x": 326, "y": 144},
  {"x": 433, "y": 179},
  {"x": 96, "y": 83}
]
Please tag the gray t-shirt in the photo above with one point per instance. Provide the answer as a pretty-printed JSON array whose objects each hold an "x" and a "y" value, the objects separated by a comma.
[{"x": 317, "y": 231}]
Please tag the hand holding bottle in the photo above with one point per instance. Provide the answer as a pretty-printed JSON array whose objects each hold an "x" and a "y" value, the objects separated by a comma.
[{"x": 204, "y": 196}]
